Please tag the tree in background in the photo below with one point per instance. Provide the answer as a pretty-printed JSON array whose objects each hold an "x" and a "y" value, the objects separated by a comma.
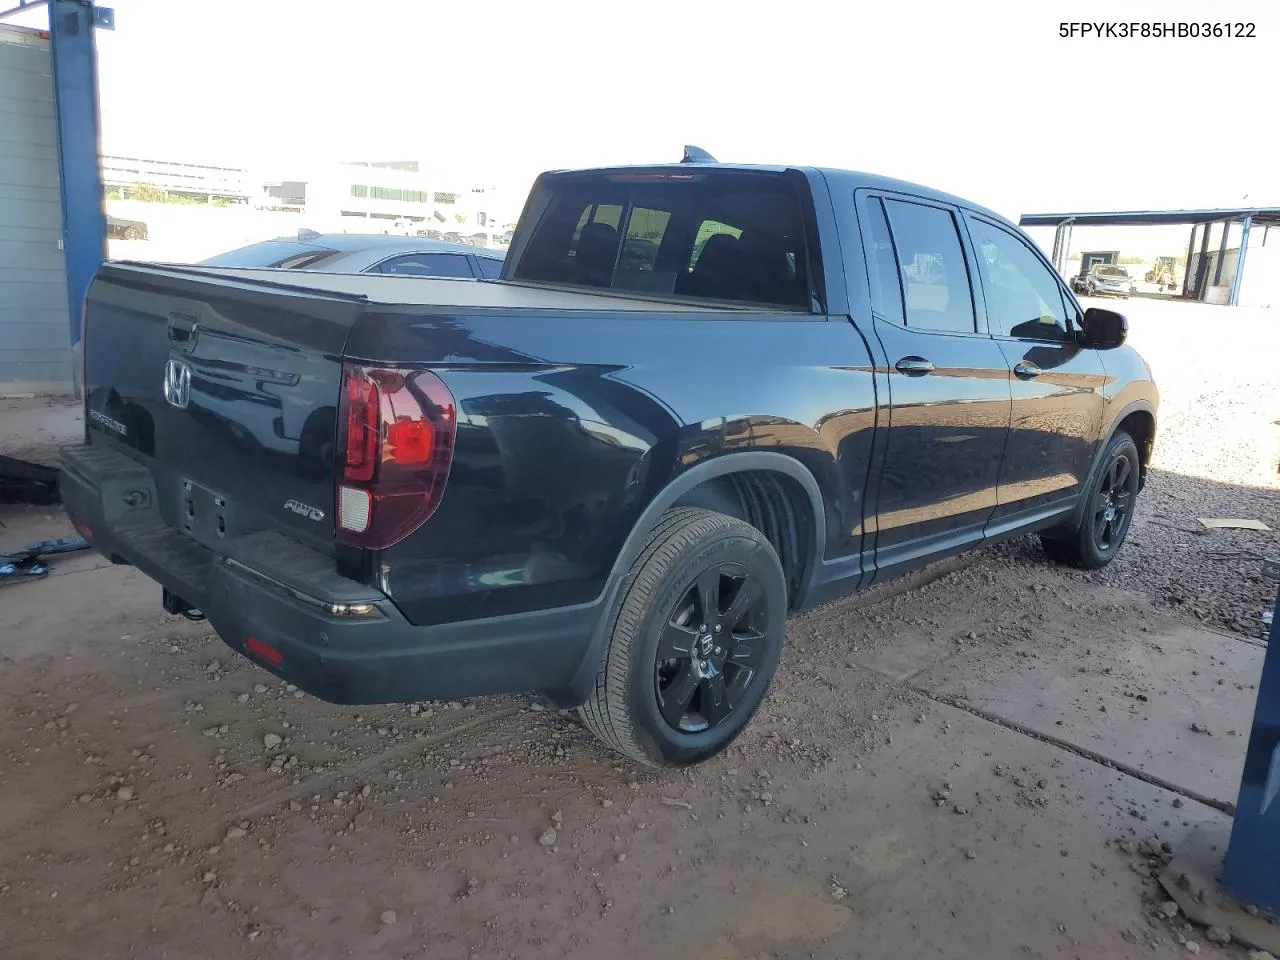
[{"x": 146, "y": 193}]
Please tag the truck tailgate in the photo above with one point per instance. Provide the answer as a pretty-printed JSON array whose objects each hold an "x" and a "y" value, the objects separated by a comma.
[{"x": 227, "y": 390}]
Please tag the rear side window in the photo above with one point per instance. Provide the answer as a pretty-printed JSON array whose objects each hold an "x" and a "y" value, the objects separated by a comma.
[
  {"x": 284, "y": 254},
  {"x": 429, "y": 265},
  {"x": 715, "y": 235},
  {"x": 305, "y": 261},
  {"x": 886, "y": 287},
  {"x": 935, "y": 282},
  {"x": 490, "y": 268}
]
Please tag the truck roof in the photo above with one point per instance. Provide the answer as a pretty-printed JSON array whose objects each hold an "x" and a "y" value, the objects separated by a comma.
[{"x": 835, "y": 177}]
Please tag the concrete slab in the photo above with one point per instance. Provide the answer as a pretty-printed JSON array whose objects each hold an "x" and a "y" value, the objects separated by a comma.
[
  {"x": 1175, "y": 703},
  {"x": 959, "y": 837},
  {"x": 1193, "y": 879}
]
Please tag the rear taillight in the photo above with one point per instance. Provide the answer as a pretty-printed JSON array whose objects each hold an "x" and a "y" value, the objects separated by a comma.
[{"x": 397, "y": 429}]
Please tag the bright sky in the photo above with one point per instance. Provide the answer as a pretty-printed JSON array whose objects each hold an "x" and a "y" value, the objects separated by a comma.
[{"x": 979, "y": 97}]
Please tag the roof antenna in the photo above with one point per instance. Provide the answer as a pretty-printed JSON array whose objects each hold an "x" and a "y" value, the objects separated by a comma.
[{"x": 696, "y": 155}]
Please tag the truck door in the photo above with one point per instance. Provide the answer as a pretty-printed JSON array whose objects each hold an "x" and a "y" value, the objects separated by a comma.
[
  {"x": 1057, "y": 385},
  {"x": 948, "y": 384}
]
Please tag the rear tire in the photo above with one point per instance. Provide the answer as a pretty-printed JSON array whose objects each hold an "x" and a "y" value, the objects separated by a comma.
[
  {"x": 695, "y": 642},
  {"x": 1104, "y": 522}
]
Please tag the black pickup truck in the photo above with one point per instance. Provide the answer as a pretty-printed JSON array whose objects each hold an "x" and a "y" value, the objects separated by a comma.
[{"x": 701, "y": 398}]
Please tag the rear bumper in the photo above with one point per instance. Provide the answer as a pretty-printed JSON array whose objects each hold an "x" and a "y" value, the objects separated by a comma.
[{"x": 290, "y": 597}]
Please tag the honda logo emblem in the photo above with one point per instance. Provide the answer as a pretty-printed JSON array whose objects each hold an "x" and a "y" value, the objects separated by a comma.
[{"x": 177, "y": 384}]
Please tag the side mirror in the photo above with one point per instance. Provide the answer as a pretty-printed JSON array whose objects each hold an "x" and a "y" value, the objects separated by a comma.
[{"x": 1104, "y": 329}]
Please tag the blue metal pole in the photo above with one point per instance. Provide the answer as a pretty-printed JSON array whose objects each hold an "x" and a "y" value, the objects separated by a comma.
[
  {"x": 75, "y": 98},
  {"x": 1244, "y": 247},
  {"x": 1250, "y": 874}
]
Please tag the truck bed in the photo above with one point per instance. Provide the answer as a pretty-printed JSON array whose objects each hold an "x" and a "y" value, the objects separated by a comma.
[{"x": 449, "y": 291}]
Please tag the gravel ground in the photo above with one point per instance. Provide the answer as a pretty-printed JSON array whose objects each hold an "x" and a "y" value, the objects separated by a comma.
[{"x": 1217, "y": 454}]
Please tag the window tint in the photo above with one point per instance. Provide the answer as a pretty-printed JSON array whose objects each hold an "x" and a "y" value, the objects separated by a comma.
[
  {"x": 710, "y": 234},
  {"x": 490, "y": 267},
  {"x": 305, "y": 261},
  {"x": 931, "y": 263},
  {"x": 645, "y": 229},
  {"x": 429, "y": 265},
  {"x": 707, "y": 230},
  {"x": 1023, "y": 296},
  {"x": 886, "y": 288}
]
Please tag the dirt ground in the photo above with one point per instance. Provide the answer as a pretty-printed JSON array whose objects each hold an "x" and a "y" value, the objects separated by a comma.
[{"x": 986, "y": 765}]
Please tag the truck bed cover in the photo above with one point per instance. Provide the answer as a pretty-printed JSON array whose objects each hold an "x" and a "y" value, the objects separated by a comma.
[{"x": 447, "y": 291}]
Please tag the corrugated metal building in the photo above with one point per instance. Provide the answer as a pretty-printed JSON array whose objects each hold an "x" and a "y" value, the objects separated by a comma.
[{"x": 35, "y": 352}]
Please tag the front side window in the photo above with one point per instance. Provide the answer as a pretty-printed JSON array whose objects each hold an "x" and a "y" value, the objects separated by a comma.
[
  {"x": 1024, "y": 299},
  {"x": 935, "y": 282}
]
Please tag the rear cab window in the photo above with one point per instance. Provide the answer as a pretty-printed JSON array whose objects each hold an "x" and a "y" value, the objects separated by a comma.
[{"x": 730, "y": 235}]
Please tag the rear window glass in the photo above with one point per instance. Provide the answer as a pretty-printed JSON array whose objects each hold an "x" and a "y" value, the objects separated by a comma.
[
  {"x": 287, "y": 254},
  {"x": 715, "y": 235}
]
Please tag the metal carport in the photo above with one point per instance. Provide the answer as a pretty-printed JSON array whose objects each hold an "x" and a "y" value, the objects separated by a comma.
[{"x": 1201, "y": 220}]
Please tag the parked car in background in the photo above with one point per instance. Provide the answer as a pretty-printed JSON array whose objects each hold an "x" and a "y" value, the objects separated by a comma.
[
  {"x": 609, "y": 479},
  {"x": 1105, "y": 279},
  {"x": 120, "y": 229},
  {"x": 365, "y": 253}
]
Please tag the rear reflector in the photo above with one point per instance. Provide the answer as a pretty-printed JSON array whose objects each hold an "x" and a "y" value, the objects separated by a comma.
[
  {"x": 353, "y": 509},
  {"x": 397, "y": 430},
  {"x": 264, "y": 651}
]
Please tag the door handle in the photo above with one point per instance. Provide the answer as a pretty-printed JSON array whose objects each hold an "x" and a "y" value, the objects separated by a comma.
[
  {"x": 1025, "y": 370},
  {"x": 914, "y": 366}
]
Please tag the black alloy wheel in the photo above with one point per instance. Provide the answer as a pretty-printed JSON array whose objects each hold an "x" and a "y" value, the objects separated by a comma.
[
  {"x": 694, "y": 643},
  {"x": 1113, "y": 505},
  {"x": 1100, "y": 524},
  {"x": 711, "y": 648}
]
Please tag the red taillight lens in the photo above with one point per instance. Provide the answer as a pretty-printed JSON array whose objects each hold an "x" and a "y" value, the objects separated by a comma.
[
  {"x": 363, "y": 422},
  {"x": 398, "y": 429},
  {"x": 411, "y": 441}
]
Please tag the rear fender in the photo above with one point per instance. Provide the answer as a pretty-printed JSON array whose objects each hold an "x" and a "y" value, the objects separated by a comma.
[
  {"x": 620, "y": 575},
  {"x": 1082, "y": 505}
]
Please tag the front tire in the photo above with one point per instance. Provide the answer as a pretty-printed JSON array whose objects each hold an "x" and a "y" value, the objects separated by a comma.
[
  {"x": 695, "y": 642},
  {"x": 1112, "y": 495}
]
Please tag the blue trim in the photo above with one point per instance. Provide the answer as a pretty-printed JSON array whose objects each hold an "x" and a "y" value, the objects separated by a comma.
[
  {"x": 1250, "y": 873},
  {"x": 75, "y": 99}
]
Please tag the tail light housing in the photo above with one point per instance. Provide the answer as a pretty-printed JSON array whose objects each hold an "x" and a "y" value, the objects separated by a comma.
[{"x": 396, "y": 434}]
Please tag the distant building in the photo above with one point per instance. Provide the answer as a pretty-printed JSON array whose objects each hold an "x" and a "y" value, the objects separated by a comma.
[
  {"x": 196, "y": 180},
  {"x": 394, "y": 196}
]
